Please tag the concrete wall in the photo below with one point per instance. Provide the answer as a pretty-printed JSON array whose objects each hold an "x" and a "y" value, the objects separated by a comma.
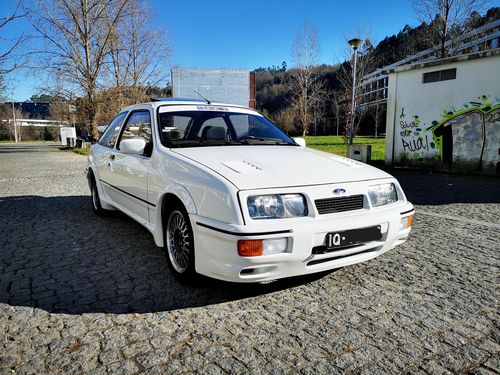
[
  {"x": 217, "y": 85},
  {"x": 450, "y": 125}
]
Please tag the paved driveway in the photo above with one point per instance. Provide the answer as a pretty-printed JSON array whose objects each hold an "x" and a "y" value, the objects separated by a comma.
[{"x": 85, "y": 294}]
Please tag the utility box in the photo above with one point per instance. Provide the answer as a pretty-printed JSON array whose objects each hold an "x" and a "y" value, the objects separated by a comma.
[
  {"x": 68, "y": 133},
  {"x": 361, "y": 153}
]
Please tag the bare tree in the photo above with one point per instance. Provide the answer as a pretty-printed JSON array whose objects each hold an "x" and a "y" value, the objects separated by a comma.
[
  {"x": 304, "y": 81},
  {"x": 77, "y": 35},
  {"x": 286, "y": 119},
  {"x": 11, "y": 57},
  {"x": 336, "y": 106},
  {"x": 139, "y": 53},
  {"x": 447, "y": 19}
]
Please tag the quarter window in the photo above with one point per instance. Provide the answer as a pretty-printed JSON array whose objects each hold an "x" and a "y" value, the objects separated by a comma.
[
  {"x": 110, "y": 135},
  {"x": 139, "y": 126}
]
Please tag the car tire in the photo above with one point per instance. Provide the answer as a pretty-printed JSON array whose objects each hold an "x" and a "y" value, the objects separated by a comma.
[
  {"x": 179, "y": 244},
  {"x": 95, "y": 199}
]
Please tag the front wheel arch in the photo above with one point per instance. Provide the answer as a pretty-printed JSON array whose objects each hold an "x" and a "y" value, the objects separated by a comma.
[{"x": 170, "y": 204}]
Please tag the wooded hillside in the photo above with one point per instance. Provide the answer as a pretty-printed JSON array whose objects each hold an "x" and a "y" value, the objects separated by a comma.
[{"x": 274, "y": 96}]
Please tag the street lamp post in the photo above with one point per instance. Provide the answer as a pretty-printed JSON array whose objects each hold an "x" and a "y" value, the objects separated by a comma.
[
  {"x": 14, "y": 120},
  {"x": 354, "y": 43}
]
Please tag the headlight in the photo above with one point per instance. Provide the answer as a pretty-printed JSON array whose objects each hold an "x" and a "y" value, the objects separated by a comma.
[
  {"x": 382, "y": 194},
  {"x": 277, "y": 206}
]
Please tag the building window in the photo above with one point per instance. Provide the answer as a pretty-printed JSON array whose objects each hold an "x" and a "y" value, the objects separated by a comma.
[
  {"x": 494, "y": 43},
  {"x": 439, "y": 75}
]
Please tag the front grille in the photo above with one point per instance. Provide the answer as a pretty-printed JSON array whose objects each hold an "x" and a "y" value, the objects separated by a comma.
[{"x": 339, "y": 204}]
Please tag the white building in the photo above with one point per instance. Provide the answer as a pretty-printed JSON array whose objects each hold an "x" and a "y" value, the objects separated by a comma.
[
  {"x": 445, "y": 113},
  {"x": 373, "y": 86},
  {"x": 233, "y": 86}
]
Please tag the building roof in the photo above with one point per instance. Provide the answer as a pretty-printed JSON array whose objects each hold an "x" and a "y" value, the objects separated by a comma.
[
  {"x": 447, "y": 60},
  {"x": 491, "y": 31}
]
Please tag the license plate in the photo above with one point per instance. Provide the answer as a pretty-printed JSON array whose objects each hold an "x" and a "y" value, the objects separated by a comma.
[{"x": 336, "y": 240}]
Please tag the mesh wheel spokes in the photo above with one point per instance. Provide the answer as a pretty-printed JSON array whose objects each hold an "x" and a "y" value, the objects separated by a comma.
[{"x": 178, "y": 244}]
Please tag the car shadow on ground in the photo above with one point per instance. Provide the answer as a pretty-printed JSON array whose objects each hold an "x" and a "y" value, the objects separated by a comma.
[
  {"x": 434, "y": 188},
  {"x": 57, "y": 255}
]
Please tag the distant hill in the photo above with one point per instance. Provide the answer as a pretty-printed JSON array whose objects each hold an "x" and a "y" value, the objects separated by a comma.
[{"x": 412, "y": 40}]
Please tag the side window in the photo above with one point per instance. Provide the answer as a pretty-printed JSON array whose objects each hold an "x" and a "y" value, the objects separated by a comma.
[
  {"x": 139, "y": 126},
  {"x": 110, "y": 135}
]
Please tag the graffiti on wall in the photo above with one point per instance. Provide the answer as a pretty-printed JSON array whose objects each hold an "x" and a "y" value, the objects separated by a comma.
[
  {"x": 465, "y": 138},
  {"x": 413, "y": 141}
]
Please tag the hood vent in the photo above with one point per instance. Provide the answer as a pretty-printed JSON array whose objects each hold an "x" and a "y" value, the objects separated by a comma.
[
  {"x": 347, "y": 161},
  {"x": 242, "y": 166}
]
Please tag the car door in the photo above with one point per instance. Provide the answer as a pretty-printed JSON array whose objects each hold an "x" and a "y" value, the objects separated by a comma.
[
  {"x": 103, "y": 151},
  {"x": 128, "y": 173}
]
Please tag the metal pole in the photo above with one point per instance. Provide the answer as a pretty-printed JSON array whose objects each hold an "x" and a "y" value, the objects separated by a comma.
[
  {"x": 14, "y": 120},
  {"x": 353, "y": 93}
]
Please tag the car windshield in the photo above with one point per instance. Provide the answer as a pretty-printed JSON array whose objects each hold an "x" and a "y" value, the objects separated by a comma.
[{"x": 211, "y": 128}]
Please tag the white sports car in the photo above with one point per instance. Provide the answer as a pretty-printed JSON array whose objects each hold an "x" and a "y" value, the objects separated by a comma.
[{"x": 230, "y": 196}]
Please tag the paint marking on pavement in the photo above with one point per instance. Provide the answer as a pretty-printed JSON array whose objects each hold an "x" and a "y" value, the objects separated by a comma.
[{"x": 458, "y": 218}]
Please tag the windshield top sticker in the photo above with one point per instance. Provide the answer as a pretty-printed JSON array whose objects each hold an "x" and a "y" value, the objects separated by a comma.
[{"x": 211, "y": 108}]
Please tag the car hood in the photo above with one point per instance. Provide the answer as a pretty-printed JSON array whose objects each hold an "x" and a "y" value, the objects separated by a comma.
[{"x": 261, "y": 167}]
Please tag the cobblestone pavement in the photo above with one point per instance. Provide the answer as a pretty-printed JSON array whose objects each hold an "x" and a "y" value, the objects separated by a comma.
[{"x": 85, "y": 294}]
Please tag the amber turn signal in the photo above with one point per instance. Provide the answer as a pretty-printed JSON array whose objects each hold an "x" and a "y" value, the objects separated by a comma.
[
  {"x": 250, "y": 248},
  {"x": 410, "y": 221}
]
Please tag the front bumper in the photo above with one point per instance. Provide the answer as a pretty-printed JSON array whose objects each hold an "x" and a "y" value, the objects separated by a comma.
[{"x": 216, "y": 252}]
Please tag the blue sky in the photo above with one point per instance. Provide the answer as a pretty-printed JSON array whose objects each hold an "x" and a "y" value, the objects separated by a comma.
[{"x": 250, "y": 34}]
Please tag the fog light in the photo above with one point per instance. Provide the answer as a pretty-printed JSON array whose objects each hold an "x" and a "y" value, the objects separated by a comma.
[
  {"x": 274, "y": 246},
  {"x": 250, "y": 248},
  {"x": 406, "y": 222}
]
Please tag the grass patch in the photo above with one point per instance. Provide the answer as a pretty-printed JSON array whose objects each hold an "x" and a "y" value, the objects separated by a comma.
[
  {"x": 335, "y": 145},
  {"x": 82, "y": 151}
]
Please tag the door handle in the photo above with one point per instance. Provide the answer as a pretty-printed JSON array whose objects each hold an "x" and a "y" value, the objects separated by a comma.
[{"x": 112, "y": 156}]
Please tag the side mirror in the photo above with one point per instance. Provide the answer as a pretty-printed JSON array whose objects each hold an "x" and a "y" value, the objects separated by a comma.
[
  {"x": 133, "y": 146},
  {"x": 300, "y": 141}
]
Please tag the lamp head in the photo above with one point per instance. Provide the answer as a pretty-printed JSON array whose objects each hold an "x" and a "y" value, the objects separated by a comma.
[{"x": 355, "y": 43}]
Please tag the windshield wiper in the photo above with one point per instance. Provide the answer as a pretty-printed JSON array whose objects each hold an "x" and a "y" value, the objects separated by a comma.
[
  {"x": 222, "y": 142},
  {"x": 203, "y": 142}
]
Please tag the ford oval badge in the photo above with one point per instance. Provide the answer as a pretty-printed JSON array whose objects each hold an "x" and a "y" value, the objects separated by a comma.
[{"x": 339, "y": 191}]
